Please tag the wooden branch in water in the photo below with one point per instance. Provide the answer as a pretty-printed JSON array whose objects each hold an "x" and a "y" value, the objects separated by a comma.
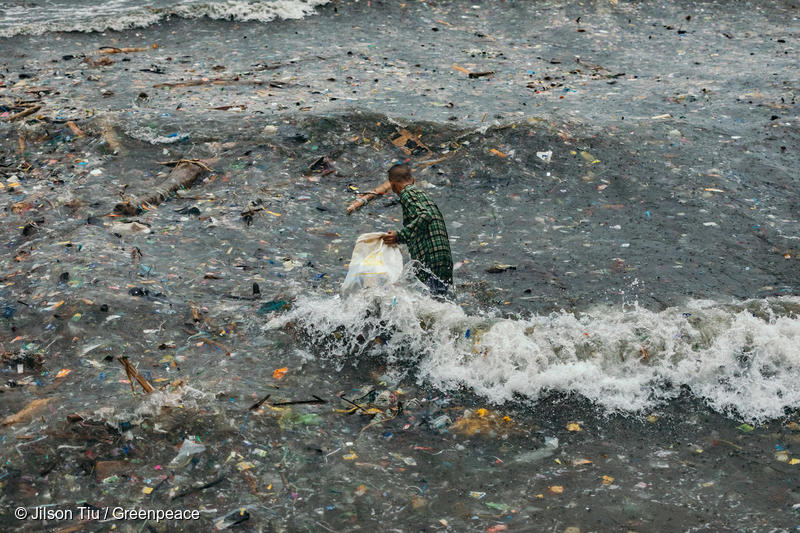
[
  {"x": 289, "y": 63},
  {"x": 75, "y": 129},
  {"x": 352, "y": 403},
  {"x": 184, "y": 174},
  {"x": 107, "y": 132},
  {"x": 134, "y": 375},
  {"x": 316, "y": 400},
  {"x": 259, "y": 403},
  {"x": 114, "y": 50},
  {"x": 27, "y": 413},
  {"x": 192, "y": 490},
  {"x": 179, "y": 161},
  {"x": 23, "y": 114},
  {"x": 219, "y": 345},
  {"x": 217, "y": 81},
  {"x": 435, "y": 161},
  {"x": 368, "y": 197}
]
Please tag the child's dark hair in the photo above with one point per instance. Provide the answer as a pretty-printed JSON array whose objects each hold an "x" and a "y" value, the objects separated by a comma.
[{"x": 400, "y": 173}]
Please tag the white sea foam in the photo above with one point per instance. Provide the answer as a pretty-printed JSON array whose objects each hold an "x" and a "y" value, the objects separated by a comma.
[
  {"x": 68, "y": 15},
  {"x": 149, "y": 136},
  {"x": 150, "y": 405},
  {"x": 741, "y": 359}
]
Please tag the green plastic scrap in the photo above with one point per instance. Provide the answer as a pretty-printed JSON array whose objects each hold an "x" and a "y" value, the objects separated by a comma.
[
  {"x": 274, "y": 305},
  {"x": 497, "y": 506},
  {"x": 747, "y": 428},
  {"x": 309, "y": 419},
  {"x": 305, "y": 419}
]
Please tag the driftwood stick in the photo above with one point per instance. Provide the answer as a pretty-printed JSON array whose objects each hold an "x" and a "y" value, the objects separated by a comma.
[
  {"x": 192, "y": 490},
  {"x": 365, "y": 198},
  {"x": 132, "y": 373},
  {"x": 27, "y": 413},
  {"x": 216, "y": 81},
  {"x": 114, "y": 50},
  {"x": 179, "y": 161},
  {"x": 259, "y": 403},
  {"x": 316, "y": 400},
  {"x": 22, "y": 114},
  {"x": 75, "y": 129},
  {"x": 352, "y": 403},
  {"x": 109, "y": 136},
  {"x": 184, "y": 174},
  {"x": 435, "y": 161}
]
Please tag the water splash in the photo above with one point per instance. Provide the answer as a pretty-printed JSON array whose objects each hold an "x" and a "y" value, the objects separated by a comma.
[
  {"x": 117, "y": 15},
  {"x": 740, "y": 358}
]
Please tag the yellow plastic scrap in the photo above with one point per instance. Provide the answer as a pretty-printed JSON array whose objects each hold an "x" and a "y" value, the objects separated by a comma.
[
  {"x": 574, "y": 426},
  {"x": 482, "y": 421},
  {"x": 608, "y": 480}
]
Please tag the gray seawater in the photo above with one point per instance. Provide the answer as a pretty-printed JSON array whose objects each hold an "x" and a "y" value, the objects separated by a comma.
[
  {"x": 634, "y": 163},
  {"x": 22, "y": 17}
]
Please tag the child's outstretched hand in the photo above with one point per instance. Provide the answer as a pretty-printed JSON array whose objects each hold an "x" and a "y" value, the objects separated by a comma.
[{"x": 389, "y": 238}]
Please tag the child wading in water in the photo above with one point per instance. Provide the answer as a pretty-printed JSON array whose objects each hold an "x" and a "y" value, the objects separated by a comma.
[{"x": 424, "y": 232}]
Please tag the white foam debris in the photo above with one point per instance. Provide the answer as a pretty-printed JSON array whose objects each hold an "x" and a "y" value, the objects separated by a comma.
[{"x": 624, "y": 360}]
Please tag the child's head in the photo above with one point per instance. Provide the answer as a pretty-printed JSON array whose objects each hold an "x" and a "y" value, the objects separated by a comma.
[{"x": 399, "y": 177}]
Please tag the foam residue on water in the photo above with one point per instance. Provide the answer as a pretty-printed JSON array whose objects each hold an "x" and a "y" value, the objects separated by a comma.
[
  {"x": 741, "y": 359},
  {"x": 149, "y": 405},
  {"x": 67, "y": 15},
  {"x": 149, "y": 136}
]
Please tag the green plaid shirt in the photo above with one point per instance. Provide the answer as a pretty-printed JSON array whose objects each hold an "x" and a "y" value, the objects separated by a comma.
[{"x": 425, "y": 234}]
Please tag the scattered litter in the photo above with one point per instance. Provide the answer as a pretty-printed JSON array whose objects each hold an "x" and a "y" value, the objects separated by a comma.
[
  {"x": 498, "y": 268},
  {"x": 189, "y": 448},
  {"x": 129, "y": 228}
]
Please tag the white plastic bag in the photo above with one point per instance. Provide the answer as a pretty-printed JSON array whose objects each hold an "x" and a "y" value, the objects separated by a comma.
[{"x": 373, "y": 263}]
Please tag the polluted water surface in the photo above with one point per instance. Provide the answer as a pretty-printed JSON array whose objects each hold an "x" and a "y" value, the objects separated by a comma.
[{"x": 618, "y": 180}]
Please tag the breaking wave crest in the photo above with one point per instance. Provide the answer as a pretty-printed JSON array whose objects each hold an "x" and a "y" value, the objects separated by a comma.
[
  {"x": 120, "y": 15},
  {"x": 740, "y": 358}
]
